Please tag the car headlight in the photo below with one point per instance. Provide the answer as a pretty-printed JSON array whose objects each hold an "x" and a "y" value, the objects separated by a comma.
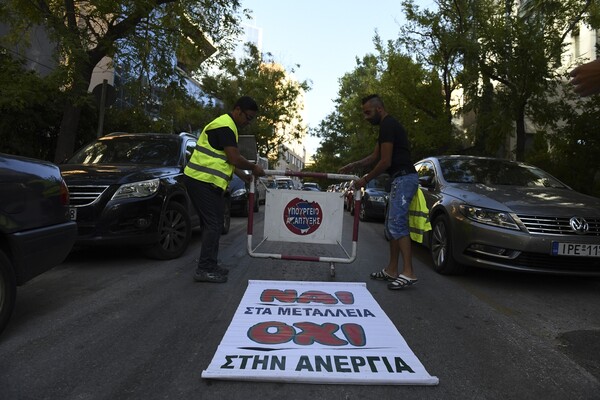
[
  {"x": 137, "y": 189},
  {"x": 489, "y": 217},
  {"x": 378, "y": 199},
  {"x": 239, "y": 193}
]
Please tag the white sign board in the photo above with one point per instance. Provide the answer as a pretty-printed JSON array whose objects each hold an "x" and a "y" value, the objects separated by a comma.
[
  {"x": 314, "y": 332},
  {"x": 303, "y": 216}
]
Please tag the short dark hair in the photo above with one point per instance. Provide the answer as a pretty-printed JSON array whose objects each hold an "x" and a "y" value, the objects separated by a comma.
[
  {"x": 374, "y": 97},
  {"x": 246, "y": 103}
]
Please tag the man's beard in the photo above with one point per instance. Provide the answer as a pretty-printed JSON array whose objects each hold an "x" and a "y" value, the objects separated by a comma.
[{"x": 375, "y": 119}]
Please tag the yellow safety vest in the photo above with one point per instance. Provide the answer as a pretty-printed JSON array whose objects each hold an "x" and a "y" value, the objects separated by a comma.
[
  {"x": 208, "y": 164},
  {"x": 418, "y": 217}
]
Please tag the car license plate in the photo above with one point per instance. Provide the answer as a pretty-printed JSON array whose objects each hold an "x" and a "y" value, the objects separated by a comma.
[
  {"x": 573, "y": 249},
  {"x": 72, "y": 213}
]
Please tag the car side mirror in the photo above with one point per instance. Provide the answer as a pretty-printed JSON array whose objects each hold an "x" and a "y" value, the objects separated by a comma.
[{"x": 426, "y": 182}]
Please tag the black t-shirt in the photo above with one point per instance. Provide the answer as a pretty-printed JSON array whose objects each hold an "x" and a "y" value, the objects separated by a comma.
[
  {"x": 391, "y": 131},
  {"x": 221, "y": 137}
]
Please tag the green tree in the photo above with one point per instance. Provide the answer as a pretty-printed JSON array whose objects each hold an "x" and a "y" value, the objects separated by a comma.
[
  {"x": 334, "y": 143},
  {"x": 176, "y": 110},
  {"x": 438, "y": 40},
  {"x": 278, "y": 95},
  {"x": 414, "y": 95},
  {"x": 509, "y": 55},
  {"x": 28, "y": 109},
  {"x": 411, "y": 94},
  {"x": 567, "y": 143},
  {"x": 151, "y": 31}
]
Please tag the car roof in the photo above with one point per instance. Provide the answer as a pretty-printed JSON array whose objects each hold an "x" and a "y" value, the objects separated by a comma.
[
  {"x": 465, "y": 157},
  {"x": 146, "y": 134}
]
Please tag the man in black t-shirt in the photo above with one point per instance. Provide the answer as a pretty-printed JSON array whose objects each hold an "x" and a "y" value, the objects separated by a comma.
[{"x": 392, "y": 155}]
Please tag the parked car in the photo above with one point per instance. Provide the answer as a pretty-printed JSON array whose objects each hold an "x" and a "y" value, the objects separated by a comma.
[
  {"x": 36, "y": 233},
  {"x": 495, "y": 213},
  {"x": 268, "y": 183},
  {"x": 240, "y": 196},
  {"x": 310, "y": 189},
  {"x": 374, "y": 198},
  {"x": 127, "y": 188},
  {"x": 284, "y": 183},
  {"x": 348, "y": 192},
  {"x": 311, "y": 186}
]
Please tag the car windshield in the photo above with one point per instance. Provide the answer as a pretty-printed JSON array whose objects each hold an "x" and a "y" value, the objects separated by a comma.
[
  {"x": 283, "y": 185},
  {"x": 270, "y": 184},
  {"x": 129, "y": 150},
  {"x": 495, "y": 172}
]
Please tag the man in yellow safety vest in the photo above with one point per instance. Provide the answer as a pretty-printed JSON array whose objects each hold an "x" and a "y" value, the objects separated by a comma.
[{"x": 214, "y": 161}]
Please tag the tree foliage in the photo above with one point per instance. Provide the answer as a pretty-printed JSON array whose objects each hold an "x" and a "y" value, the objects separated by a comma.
[
  {"x": 567, "y": 143},
  {"x": 171, "y": 109},
  {"x": 497, "y": 66},
  {"x": 504, "y": 54},
  {"x": 147, "y": 32},
  {"x": 28, "y": 111},
  {"x": 411, "y": 93},
  {"x": 279, "y": 96}
]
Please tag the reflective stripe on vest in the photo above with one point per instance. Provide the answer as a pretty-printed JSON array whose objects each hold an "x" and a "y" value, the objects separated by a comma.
[{"x": 208, "y": 164}]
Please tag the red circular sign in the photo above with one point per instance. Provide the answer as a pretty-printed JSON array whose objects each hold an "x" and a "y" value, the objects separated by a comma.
[{"x": 302, "y": 217}]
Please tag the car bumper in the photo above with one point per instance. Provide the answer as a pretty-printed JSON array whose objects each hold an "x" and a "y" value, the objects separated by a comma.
[
  {"x": 375, "y": 210},
  {"x": 131, "y": 222},
  {"x": 239, "y": 206},
  {"x": 38, "y": 250},
  {"x": 487, "y": 246}
]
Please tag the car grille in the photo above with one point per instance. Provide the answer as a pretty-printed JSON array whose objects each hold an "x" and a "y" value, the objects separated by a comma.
[
  {"x": 547, "y": 262},
  {"x": 556, "y": 225},
  {"x": 84, "y": 195}
]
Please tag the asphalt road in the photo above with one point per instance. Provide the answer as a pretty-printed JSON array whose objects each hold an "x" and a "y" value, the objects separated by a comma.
[{"x": 111, "y": 324}]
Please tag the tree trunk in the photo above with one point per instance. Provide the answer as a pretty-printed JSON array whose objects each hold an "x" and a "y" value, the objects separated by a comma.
[
  {"x": 521, "y": 133},
  {"x": 65, "y": 143}
]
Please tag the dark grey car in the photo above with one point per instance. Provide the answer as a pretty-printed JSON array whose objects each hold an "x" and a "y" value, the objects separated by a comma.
[
  {"x": 35, "y": 231},
  {"x": 501, "y": 214},
  {"x": 127, "y": 189}
]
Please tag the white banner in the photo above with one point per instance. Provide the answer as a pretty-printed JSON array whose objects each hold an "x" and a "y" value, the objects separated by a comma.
[
  {"x": 302, "y": 216},
  {"x": 314, "y": 332}
]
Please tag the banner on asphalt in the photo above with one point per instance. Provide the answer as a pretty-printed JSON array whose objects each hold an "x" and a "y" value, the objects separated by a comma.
[{"x": 314, "y": 332}]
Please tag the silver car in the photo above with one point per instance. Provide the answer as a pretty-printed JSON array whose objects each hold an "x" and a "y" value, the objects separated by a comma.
[{"x": 495, "y": 213}]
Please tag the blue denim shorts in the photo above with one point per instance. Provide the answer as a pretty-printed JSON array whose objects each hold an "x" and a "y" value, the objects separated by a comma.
[{"x": 401, "y": 194}]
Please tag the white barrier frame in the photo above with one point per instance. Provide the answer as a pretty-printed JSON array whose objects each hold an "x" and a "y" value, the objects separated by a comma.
[{"x": 331, "y": 260}]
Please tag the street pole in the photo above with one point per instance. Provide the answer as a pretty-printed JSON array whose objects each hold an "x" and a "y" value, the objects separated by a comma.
[{"x": 102, "y": 107}]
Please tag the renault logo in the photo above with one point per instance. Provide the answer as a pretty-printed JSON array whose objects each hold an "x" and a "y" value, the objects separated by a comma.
[{"x": 579, "y": 225}]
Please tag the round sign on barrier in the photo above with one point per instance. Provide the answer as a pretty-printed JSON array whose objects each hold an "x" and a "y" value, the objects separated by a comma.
[{"x": 302, "y": 217}]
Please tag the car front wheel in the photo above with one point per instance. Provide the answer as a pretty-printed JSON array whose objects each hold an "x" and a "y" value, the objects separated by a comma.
[
  {"x": 175, "y": 232},
  {"x": 441, "y": 248},
  {"x": 8, "y": 290}
]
